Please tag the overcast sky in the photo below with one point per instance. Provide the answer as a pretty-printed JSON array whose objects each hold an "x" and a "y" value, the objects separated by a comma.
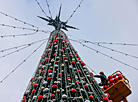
[{"x": 113, "y": 21}]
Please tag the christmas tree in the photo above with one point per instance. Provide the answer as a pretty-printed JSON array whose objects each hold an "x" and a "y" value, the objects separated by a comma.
[{"x": 61, "y": 75}]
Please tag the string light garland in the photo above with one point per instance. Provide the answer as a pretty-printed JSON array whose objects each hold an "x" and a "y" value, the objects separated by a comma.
[
  {"x": 22, "y": 45},
  {"x": 74, "y": 11},
  {"x": 49, "y": 8},
  {"x": 41, "y": 8},
  {"x": 18, "y": 20},
  {"x": 105, "y": 54},
  {"x": 22, "y": 62},
  {"x": 25, "y": 28}
]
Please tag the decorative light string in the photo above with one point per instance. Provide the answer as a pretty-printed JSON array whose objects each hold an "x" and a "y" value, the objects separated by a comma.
[
  {"x": 41, "y": 8},
  {"x": 22, "y": 45},
  {"x": 3, "y": 36},
  {"x": 74, "y": 11},
  {"x": 21, "y": 63},
  {"x": 107, "y": 55},
  {"x": 110, "y": 43},
  {"x": 19, "y": 20},
  {"x": 25, "y": 28},
  {"x": 49, "y": 8},
  {"x": 18, "y": 50}
]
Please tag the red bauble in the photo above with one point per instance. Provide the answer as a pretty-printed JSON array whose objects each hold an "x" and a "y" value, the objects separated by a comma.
[
  {"x": 105, "y": 87},
  {"x": 107, "y": 79},
  {"x": 35, "y": 85},
  {"x": 54, "y": 86},
  {"x": 31, "y": 83},
  {"x": 41, "y": 66},
  {"x": 71, "y": 56},
  {"x": 111, "y": 80},
  {"x": 91, "y": 97},
  {"x": 94, "y": 81},
  {"x": 114, "y": 76},
  {"x": 82, "y": 63},
  {"x": 48, "y": 53},
  {"x": 86, "y": 86},
  {"x": 42, "y": 62},
  {"x": 73, "y": 62},
  {"x": 77, "y": 82},
  {"x": 54, "y": 55},
  {"x": 120, "y": 77},
  {"x": 55, "y": 41},
  {"x": 105, "y": 99},
  {"x": 73, "y": 90},
  {"x": 62, "y": 50},
  {"x": 46, "y": 59},
  {"x": 110, "y": 77},
  {"x": 31, "y": 79},
  {"x": 48, "y": 78},
  {"x": 43, "y": 71},
  {"x": 78, "y": 58},
  {"x": 66, "y": 44},
  {"x": 65, "y": 58},
  {"x": 116, "y": 79},
  {"x": 49, "y": 71},
  {"x": 59, "y": 74},
  {"x": 52, "y": 95},
  {"x": 56, "y": 62},
  {"x": 40, "y": 97},
  {"x": 33, "y": 91},
  {"x": 79, "y": 71},
  {"x": 91, "y": 73},
  {"x": 68, "y": 78},
  {"x": 64, "y": 40},
  {"x": 50, "y": 44},
  {"x": 23, "y": 100},
  {"x": 56, "y": 36}
]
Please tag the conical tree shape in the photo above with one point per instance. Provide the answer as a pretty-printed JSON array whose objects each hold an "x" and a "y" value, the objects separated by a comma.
[{"x": 61, "y": 75}]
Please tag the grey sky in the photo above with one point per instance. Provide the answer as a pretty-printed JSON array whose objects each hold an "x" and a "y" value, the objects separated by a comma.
[{"x": 98, "y": 20}]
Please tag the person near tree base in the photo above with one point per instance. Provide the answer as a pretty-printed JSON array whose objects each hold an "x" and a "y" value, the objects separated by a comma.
[{"x": 102, "y": 76}]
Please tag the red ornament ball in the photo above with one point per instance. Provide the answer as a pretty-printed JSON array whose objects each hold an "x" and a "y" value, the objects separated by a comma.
[
  {"x": 56, "y": 36},
  {"x": 82, "y": 63},
  {"x": 77, "y": 82},
  {"x": 71, "y": 56},
  {"x": 48, "y": 53},
  {"x": 91, "y": 97},
  {"x": 54, "y": 55},
  {"x": 62, "y": 50},
  {"x": 54, "y": 86},
  {"x": 42, "y": 62},
  {"x": 105, "y": 87},
  {"x": 78, "y": 58},
  {"x": 120, "y": 77},
  {"x": 40, "y": 97},
  {"x": 48, "y": 78},
  {"x": 94, "y": 81},
  {"x": 68, "y": 78},
  {"x": 66, "y": 44},
  {"x": 52, "y": 95},
  {"x": 116, "y": 79},
  {"x": 33, "y": 91},
  {"x": 110, "y": 77},
  {"x": 65, "y": 58},
  {"x": 56, "y": 62},
  {"x": 55, "y": 41},
  {"x": 79, "y": 71},
  {"x": 43, "y": 71},
  {"x": 35, "y": 85},
  {"x": 46, "y": 59},
  {"x": 73, "y": 62},
  {"x": 59, "y": 73},
  {"x": 91, "y": 73},
  {"x": 86, "y": 86},
  {"x": 105, "y": 99},
  {"x": 50, "y": 44},
  {"x": 49, "y": 71},
  {"x": 73, "y": 90},
  {"x": 31, "y": 79},
  {"x": 114, "y": 76},
  {"x": 111, "y": 80},
  {"x": 23, "y": 100}
]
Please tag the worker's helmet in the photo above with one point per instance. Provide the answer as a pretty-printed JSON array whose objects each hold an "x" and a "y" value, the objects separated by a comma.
[{"x": 101, "y": 72}]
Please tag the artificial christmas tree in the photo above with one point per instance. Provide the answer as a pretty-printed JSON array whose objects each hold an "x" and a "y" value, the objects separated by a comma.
[{"x": 61, "y": 75}]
